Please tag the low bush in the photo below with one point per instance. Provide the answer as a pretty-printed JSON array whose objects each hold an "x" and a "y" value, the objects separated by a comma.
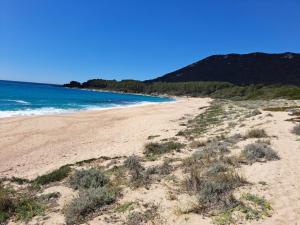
[
  {"x": 136, "y": 171},
  {"x": 213, "y": 180},
  {"x": 133, "y": 163},
  {"x": 146, "y": 217},
  {"x": 21, "y": 206},
  {"x": 87, "y": 202},
  {"x": 211, "y": 150},
  {"x": 155, "y": 148},
  {"x": 91, "y": 178},
  {"x": 256, "y": 133},
  {"x": 28, "y": 207},
  {"x": 258, "y": 152},
  {"x": 165, "y": 168},
  {"x": 214, "y": 191},
  {"x": 217, "y": 167},
  {"x": 296, "y": 129},
  {"x": 56, "y": 175},
  {"x": 7, "y": 204}
]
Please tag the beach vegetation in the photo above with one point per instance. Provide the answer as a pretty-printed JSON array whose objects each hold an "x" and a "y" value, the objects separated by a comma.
[
  {"x": 144, "y": 217},
  {"x": 56, "y": 175},
  {"x": 157, "y": 149},
  {"x": 136, "y": 171},
  {"x": 258, "y": 152},
  {"x": 256, "y": 133},
  {"x": 19, "y": 180},
  {"x": 126, "y": 206},
  {"x": 87, "y": 202},
  {"x": 249, "y": 207},
  {"x": 90, "y": 178},
  {"x": 21, "y": 206}
]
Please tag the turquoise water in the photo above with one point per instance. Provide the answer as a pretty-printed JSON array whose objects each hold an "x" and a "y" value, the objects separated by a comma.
[{"x": 19, "y": 98}]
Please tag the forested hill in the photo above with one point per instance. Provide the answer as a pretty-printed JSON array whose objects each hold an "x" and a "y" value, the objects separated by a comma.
[{"x": 241, "y": 69}]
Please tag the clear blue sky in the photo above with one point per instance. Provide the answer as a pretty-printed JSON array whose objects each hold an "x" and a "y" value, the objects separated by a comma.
[{"x": 60, "y": 40}]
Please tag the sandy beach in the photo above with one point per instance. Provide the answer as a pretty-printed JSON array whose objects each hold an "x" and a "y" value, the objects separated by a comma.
[{"x": 31, "y": 146}]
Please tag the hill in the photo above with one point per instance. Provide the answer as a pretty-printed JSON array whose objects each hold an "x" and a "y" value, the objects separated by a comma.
[{"x": 241, "y": 69}]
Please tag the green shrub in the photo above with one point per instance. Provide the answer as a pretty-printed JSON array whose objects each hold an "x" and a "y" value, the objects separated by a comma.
[
  {"x": 213, "y": 183},
  {"x": 27, "y": 208},
  {"x": 21, "y": 206},
  {"x": 155, "y": 148},
  {"x": 257, "y": 152},
  {"x": 149, "y": 215},
  {"x": 213, "y": 149},
  {"x": 91, "y": 178},
  {"x": 19, "y": 180},
  {"x": 88, "y": 202},
  {"x": 7, "y": 204},
  {"x": 256, "y": 133},
  {"x": 136, "y": 171},
  {"x": 217, "y": 167},
  {"x": 56, "y": 175},
  {"x": 126, "y": 206},
  {"x": 133, "y": 163}
]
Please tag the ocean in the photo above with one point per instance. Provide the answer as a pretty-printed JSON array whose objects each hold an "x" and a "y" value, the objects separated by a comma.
[{"x": 22, "y": 98}]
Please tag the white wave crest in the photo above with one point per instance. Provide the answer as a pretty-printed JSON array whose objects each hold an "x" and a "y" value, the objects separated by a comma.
[
  {"x": 53, "y": 111},
  {"x": 35, "y": 112},
  {"x": 17, "y": 101}
]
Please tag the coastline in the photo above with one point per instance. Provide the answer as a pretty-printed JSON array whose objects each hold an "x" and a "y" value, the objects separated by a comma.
[
  {"x": 48, "y": 111},
  {"x": 129, "y": 93},
  {"x": 56, "y": 111},
  {"x": 33, "y": 145}
]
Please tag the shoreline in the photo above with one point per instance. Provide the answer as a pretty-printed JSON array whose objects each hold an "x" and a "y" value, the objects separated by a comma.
[
  {"x": 34, "y": 145},
  {"x": 56, "y": 111}
]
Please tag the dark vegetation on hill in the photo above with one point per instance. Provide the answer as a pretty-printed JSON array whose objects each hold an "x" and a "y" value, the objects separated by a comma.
[
  {"x": 195, "y": 89},
  {"x": 241, "y": 69},
  {"x": 233, "y": 76}
]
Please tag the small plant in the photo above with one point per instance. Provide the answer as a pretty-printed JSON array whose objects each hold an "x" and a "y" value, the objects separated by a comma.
[
  {"x": 165, "y": 168},
  {"x": 127, "y": 206},
  {"x": 133, "y": 163},
  {"x": 7, "y": 204},
  {"x": 56, "y": 175},
  {"x": 27, "y": 208},
  {"x": 149, "y": 215},
  {"x": 217, "y": 167},
  {"x": 249, "y": 207},
  {"x": 256, "y": 133},
  {"x": 21, "y": 206},
  {"x": 258, "y": 152},
  {"x": 154, "y": 148},
  {"x": 136, "y": 171},
  {"x": 91, "y": 178},
  {"x": 213, "y": 149},
  {"x": 19, "y": 180},
  {"x": 296, "y": 129},
  {"x": 87, "y": 202}
]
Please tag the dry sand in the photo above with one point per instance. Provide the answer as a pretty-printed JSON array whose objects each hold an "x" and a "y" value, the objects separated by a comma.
[{"x": 31, "y": 146}]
